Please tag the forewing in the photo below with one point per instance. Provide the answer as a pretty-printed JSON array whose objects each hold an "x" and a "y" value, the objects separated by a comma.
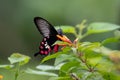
[{"x": 44, "y": 27}]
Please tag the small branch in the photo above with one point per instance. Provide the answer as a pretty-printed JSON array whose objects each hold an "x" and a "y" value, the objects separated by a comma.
[
  {"x": 90, "y": 69},
  {"x": 84, "y": 35},
  {"x": 74, "y": 76},
  {"x": 17, "y": 71}
]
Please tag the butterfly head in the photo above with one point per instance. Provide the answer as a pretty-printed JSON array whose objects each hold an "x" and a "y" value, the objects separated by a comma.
[{"x": 62, "y": 37}]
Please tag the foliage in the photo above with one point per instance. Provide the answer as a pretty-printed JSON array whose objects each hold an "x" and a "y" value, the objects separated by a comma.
[
  {"x": 84, "y": 60},
  {"x": 16, "y": 61},
  {"x": 79, "y": 60}
]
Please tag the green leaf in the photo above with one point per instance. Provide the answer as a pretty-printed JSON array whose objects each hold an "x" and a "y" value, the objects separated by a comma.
[
  {"x": 30, "y": 71},
  {"x": 18, "y": 58},
  {"x": 92, "y": 76},
  {"x": 68, "y": 66},
  {"x": 110, "y": 40},
  {"x": 51, "y": 56},
  {"x": 94, "y": 61},
  {"x": 58, "y": 67},
  {"x": 117, "y": 34},
  {"x": 64, "y": 78},
  {"x": 67, "y": 29},
  {"x": 61, "y": 58},
  {"x": 99, "y": 27},
  {"x": 110, "y": 75},
  {"x": 45, "y": 67},
  {"x": 64, "y": 51},
  {"x": 64, "y": 57},
  {"x": 6, "y": 66},
  {"x": 53, "y": 78},
  {"x": 103, "y": 50},
  {"x": 60, "y": 78},
  {"x": 105, "y": 65},
  {"x": 61, "y": 43},
  {"x": 89, "y": 46},
  {"x": 48, "y": 67},
  {"x": 85, "y": 75}
]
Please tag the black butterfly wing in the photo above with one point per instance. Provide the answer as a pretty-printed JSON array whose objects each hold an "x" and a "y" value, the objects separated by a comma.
[
  {"x": 44, "y": 27},
  {"x": 49, "y": 33}
]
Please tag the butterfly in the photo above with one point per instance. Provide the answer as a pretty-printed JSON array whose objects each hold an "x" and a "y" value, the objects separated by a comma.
[{"x": 50, "y": 36}]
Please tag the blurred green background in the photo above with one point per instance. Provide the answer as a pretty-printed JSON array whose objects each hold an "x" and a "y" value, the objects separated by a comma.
[{"x": 19, "y": 34}]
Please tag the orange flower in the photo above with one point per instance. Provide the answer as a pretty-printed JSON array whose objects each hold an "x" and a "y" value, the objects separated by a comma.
[{"x": 1, "y": 77}]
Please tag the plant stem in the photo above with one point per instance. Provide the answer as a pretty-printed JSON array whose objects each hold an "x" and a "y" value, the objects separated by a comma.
[
  {"x": 90, "y": 69},
  {"x": 83, "y": 36},
  {"x": 17, "y": 71}
]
